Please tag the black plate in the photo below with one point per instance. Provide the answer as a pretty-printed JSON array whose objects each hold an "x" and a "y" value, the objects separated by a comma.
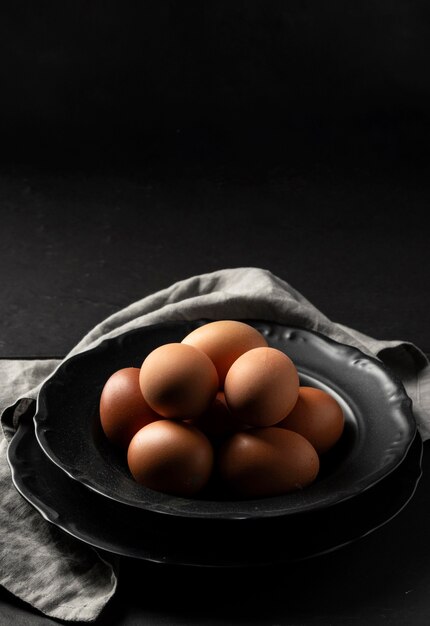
[
  {"x": 105, "y": 524},
  {"x": 378, "y": 431}
]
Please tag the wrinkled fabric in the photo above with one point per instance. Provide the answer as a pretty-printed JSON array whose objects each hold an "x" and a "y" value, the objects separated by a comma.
[
  {"x": 59, "y": 575},
  {"x": 40, "y": 564}
]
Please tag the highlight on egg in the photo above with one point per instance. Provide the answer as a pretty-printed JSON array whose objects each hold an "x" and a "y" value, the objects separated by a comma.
[
  {"x": 178, "y": 381},
  {"x": 263, "y": 462},
  {"x": 262, "y": 386},
  {"x": 172, "y": 457}
]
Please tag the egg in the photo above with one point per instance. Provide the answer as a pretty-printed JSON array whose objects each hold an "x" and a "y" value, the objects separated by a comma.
[
  {"x": 217, "y": 421},
  {"x": 178, "y": 381},
  {"x": 263, "y": 462},
  {"x": 224, "y": 341},
  {"x": 171, "y": 457},
  {"x": 123, "y": 409},
  {"x": 261, "y": 386},
  {"x": 317, "y": 416}
]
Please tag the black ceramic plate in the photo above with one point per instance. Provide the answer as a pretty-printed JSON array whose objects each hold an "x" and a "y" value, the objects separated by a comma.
[
  {"x": 378, "y": 432},
  {"x": 127, "y": 531}
]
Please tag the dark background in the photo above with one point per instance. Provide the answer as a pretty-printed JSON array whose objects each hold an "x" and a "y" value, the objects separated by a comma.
[
  {"x": 145, "y": 142},
  {"x": 116, "y": 74}
]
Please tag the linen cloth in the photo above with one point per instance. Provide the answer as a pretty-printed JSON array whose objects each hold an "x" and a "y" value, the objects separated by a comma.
[{"x": 68, "y": 580}]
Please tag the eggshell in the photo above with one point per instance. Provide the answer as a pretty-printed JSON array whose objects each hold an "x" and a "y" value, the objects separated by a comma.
[
  {"x": 224, "y": 341},
  {"x": 317, "y": 416},
  {"x": 217, "y": 421},
  {"x": 123, "y": 409},
  {"x": 268, "y": 461},
  {"x": 178, "y": 381},
  {"x": 261, "y": 386},
  {"x": 171, "y": 457}
]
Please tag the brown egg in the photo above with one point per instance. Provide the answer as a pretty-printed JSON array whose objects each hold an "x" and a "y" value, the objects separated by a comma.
[
  {"x": 178, "y": 381},
  {"x": 224, "y": 341},
  {"x": 317, "y": 416},
  {"x": 123, "y": 409},
  {"x": 217, "y": 421},
  {"x": 261, "y": 386},
  {"x": 263, "y": 462},
  {"x": 172, "y": 457}
]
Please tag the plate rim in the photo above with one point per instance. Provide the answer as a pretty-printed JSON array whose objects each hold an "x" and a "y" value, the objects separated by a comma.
[{"x": 26, "y": 428}]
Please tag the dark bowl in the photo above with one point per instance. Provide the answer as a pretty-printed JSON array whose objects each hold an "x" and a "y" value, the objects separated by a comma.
[
  {"x": 133, "y": 532},
  {"x": 379, "y": 424}
]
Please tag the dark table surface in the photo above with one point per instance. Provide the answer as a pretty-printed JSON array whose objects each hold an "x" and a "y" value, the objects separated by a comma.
[{"x": 107, "y": 195}]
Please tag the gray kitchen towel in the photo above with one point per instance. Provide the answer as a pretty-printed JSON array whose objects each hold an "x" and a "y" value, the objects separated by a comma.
[{"x": 70, "y": 581}]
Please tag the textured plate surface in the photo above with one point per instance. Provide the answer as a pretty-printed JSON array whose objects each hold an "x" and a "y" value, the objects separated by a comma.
[
  {"x": 379, "y": 425},
  {"x": 113, "y": 527}
]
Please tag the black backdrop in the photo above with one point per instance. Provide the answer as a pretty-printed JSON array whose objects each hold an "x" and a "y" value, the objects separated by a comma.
[
  {"x": 213, "y": 77},
  {"x": 142, "y": 142}
]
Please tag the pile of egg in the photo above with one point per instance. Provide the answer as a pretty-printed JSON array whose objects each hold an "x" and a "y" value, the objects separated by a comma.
[{"x": 221, "y": 403}]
